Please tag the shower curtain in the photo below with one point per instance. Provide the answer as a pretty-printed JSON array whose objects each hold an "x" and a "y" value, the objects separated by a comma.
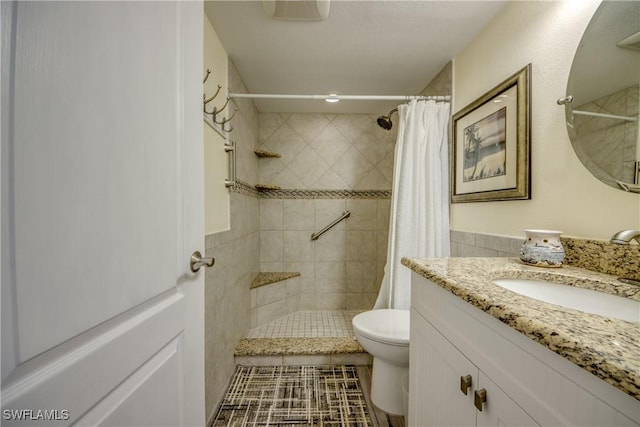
[{"x": 419, "y": 221}]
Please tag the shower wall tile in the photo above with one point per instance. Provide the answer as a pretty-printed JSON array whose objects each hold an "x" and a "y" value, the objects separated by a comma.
[
  {"x": 326, "y": 151},
  {"x": 361, "y": 277},
  {"x": 332, "y": 246},
  {"x": 271, "y": 246},
  {"x": 298, "y": 246},
  {"x": 385, "y": 167},
  {"x": 308, "y": 126},
  {"x": 383, "y": 214},
  {"x": 273, "y": 267},
  {"x": 353, "y": 167},
  {"x": 307, "y": 276},
  {"x": 360, "y": 301},
  {"x": 361, "y": 245},
  {"x": 308, "y": 167},
  {"x": 330, "y": 277},
  {"x": 270, "y": 312},
  {"x": 272, "y": 293},
  {"x": 271, "y": 214},
  {"x": 354, "y": 125},
  {"x": 332, "y": 181},
  {"x": 373, "y": 179},
  {"x": 364, "y": 214},
  {"x": 299, "y": 214},
  {"x": 326, "y": 211},
  {"x": 331, "y": 144},
  {"x": 287, "y": 179}
]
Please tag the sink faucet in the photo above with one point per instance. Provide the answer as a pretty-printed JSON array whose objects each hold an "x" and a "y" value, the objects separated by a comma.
[{"x": 624, "y": 237}]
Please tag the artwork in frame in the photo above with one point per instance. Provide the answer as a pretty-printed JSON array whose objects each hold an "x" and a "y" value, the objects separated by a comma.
[{"x": 490, "y": 152}]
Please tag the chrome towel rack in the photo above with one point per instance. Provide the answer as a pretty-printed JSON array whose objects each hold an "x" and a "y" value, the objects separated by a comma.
[{"x": 345, "y": 214}]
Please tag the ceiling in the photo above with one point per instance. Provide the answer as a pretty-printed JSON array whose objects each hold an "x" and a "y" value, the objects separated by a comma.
[{"x": 379, "y": 47}]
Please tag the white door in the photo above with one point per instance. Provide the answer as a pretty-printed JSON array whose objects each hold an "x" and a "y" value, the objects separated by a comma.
[{"x": 102, "y": 321}]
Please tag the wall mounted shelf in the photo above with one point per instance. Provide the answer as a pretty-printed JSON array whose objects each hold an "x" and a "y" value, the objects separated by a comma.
[{"x": 266, "y": 154}]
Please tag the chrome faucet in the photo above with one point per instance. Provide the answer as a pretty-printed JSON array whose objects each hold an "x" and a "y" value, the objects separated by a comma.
[{"x": 624, "y": 237}]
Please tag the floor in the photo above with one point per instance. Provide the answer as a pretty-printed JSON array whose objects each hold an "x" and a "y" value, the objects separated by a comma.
[
  {"x": 294, "y": 396},
  {"x": 309, "y": 324},
  {"x": 328, "y": 395},
  {"x": 305, "y": 340}
]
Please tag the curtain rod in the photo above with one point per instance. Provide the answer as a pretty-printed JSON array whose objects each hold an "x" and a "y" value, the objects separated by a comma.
[{"x": 335, "y": 98}]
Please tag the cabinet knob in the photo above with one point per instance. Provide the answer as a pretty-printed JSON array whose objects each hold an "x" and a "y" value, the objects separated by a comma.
[
  {"x": 465, "y": 384},
  {"x": 480, "y": 398}
]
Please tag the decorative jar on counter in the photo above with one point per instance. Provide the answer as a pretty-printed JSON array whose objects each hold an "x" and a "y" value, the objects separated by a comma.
[{"x": 542, "y": 248}]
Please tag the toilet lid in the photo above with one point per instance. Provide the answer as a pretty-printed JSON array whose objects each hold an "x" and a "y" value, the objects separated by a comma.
[{"x": 386, "y": 325}]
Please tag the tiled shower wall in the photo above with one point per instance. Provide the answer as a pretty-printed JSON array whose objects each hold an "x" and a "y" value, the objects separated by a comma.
[
  {"x": 617, "y": 157},
  {"x": 237, "y": 254},
  {"x": 326, "y": 151},
  {"x": 340, "y": 270},
  {"x": 344, "y": 267}
]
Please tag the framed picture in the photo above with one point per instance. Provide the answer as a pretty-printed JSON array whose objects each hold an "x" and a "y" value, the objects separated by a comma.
[{"x": 490, "y": 153}]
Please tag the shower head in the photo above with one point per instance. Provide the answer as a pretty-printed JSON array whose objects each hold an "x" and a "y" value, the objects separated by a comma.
[{"x": 385, "y": 121}]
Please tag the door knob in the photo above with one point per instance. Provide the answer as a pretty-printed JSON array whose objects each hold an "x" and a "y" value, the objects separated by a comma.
[{"x": 197, "y": 261}]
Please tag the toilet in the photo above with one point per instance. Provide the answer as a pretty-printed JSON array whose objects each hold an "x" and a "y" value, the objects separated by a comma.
[{"x": 384, "y": 334}]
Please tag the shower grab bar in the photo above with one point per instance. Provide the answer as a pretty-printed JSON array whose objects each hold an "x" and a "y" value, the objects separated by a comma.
[
  {"x": 232, "y": 181},
  {"x": 345, "y": 214}
]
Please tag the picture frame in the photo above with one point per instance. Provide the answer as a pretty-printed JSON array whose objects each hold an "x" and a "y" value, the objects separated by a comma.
[{"x": 490, "y": 155}]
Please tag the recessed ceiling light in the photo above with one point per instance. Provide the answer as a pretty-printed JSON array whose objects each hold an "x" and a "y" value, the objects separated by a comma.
[{"x": 332, "y": 98}]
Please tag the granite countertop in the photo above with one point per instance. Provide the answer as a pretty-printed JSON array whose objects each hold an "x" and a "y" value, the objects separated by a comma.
[{"x": 606, "y": 347}]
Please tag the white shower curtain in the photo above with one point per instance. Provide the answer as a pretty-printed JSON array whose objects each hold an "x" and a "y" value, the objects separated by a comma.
[{"x": 419, "y": 222}]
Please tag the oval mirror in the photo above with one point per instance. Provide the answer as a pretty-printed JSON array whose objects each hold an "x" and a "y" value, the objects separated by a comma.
[{"x": 602, "y": 117}]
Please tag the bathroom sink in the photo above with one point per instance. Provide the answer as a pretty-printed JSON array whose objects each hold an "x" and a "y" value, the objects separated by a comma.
[{"x": 581, "y": 299}]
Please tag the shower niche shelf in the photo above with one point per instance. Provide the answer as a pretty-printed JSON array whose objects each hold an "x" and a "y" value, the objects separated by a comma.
[{"x": 266, "y": 154}]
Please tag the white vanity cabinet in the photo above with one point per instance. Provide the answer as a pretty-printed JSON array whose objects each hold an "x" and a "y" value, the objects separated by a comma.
[
  {"x": 449, "y": 384},
  {"x": 525, "y": 383}
]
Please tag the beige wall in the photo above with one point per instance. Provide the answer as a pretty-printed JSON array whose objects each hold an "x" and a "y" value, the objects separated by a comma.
[
  {"x": 216, "y": 195},
  {"x": 565, "y": 195}
]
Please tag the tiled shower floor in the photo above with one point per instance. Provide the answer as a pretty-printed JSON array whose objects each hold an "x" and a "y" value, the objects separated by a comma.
[{"x": 309, "y": 324}]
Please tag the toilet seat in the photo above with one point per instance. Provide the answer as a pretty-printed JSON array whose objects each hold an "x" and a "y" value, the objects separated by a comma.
[{"x": 387, "y": 326}]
